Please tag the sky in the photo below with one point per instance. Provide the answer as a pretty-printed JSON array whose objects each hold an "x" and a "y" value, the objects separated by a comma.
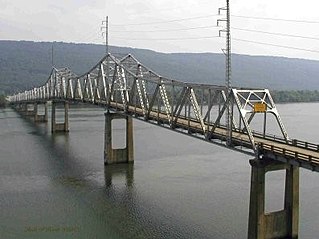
[{"x": 258, "y": 27}]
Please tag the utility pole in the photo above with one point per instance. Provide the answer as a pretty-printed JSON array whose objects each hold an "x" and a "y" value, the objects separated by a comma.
[
  {"x": 52, "y": 59},
  {"x": 105, "y": 32},
  {"x": 227, "y": 53}
]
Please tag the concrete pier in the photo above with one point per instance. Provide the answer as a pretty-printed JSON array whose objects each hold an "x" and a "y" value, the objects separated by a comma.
[
  {"x": 20, "y": 108},
  {"x": 278, "y": 224},
  {"x": 27, "y": 110},
  {"x": 60, "y": 127},
  {"x": 123, "y": 155},
  {"x": 40, "y": 118}
]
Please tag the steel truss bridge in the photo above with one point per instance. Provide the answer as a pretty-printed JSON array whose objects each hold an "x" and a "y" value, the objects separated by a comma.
[
  {"x": 194, "y": 109},
  {"x": 129, "y": 88}
]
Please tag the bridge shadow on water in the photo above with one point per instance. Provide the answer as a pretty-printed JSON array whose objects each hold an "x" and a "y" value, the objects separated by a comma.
[{"x": 107, "y": 191}]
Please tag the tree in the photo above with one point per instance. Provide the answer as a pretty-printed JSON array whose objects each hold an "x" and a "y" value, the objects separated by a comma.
[{"x": 2, "y": 101}]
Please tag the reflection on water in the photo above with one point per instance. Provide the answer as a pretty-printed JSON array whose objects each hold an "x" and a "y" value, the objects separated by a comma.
[
  {"x": 120, "y": 170},
  {"x": 56, "y": 186}
]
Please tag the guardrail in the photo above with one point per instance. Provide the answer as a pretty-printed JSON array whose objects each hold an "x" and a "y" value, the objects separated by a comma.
[
  {"x": 294, "y": 142},
  {"x": 304, "y": 144},
  {"x": 289, "y": 153},
  {"x": 272, "y": 137}
]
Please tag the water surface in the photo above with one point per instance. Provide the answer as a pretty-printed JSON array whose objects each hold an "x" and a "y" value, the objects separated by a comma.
[{"x": 56, "y": 186}]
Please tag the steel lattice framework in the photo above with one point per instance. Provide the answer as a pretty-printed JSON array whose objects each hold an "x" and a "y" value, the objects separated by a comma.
[
  {"x": 130, "y": 89},
  {"x": 128, "y": 86}
]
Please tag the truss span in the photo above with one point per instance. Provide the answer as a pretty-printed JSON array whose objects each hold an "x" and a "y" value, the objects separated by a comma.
[{"x": 126, "y": 85}]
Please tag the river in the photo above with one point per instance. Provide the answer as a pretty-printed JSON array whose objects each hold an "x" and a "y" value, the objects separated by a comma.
[{"x": 56, "y": 186}]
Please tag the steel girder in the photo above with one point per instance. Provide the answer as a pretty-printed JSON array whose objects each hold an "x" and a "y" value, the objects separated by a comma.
[
  {"x": 129, "y": 86},
  {"x": 245, "y": 101}
]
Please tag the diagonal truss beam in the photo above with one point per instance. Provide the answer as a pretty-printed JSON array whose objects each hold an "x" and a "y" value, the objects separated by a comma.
[{"x": 129, "y": 86}]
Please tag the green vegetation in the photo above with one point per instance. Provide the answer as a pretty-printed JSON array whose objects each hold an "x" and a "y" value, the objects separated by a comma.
[
  {"x": 2, "y": 101},
  {"x": 25, "y": 64},
  {"x": 295, "y": 96}
]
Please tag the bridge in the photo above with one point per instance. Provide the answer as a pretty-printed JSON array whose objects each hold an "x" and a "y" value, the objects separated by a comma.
[{"x": 127, "y": 89}]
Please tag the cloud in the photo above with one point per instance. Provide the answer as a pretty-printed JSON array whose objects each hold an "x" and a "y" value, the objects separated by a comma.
[{"x": 80, "y": 21}]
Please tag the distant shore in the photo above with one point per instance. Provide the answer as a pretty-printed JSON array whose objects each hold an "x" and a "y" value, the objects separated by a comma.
[{"x": 295, "y": 96}]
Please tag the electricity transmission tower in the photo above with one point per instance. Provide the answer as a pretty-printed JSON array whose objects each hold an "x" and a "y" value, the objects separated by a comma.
[
  {"x": 227, "y": 53},
  {"x": 105, "y": 32}
]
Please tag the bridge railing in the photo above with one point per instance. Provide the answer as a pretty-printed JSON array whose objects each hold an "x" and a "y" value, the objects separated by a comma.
[
  {"x": 294, "y": 142},
  {"x": 129, "y": 86},
  {"x": 272, "y": 137},
  {"x": 304, "y": 144},
  {"x": 283, "y": 151}
]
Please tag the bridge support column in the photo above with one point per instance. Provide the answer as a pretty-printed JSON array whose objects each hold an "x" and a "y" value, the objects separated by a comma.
[
  {"x": 279, "y": 224},
  {"x": 123, "y": 155},
  {"x": 60, "y": 127},
  {"x": 21, "y": 108},
  {"x": 27, "y": 111},
  {"x": 40, "y": 118}
]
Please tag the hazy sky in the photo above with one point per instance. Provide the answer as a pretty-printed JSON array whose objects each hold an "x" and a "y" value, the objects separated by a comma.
[{"x": 80, "y": 21}]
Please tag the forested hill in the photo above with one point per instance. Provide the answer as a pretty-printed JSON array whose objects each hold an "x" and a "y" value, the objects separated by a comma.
[{"x": 25, "y": 64}]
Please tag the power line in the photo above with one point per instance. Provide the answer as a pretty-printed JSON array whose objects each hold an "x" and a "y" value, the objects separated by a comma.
[
  {"x": 214, "y": 15},
  {"x": 209, "y": 37},
  {"x": 277, "y": 33},
  {"x": 166, "y": 39},
  {"x": 275, "y": 45},
  {"x": 212, "y": 26},
  {"x": 169, "y": 30},
  {"x": 159, "y": 22},
  {"x": 276, "y": 19}
]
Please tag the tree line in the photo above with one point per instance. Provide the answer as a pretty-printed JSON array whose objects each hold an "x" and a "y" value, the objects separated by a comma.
[
  {"x": 2, "y": 101},
  {"x": 295, "y": 96},
  {"x": 25, "y": 64}
]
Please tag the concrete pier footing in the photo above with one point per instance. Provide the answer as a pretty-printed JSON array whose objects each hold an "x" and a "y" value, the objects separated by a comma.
[
  {"x": 123, "y": 155},
  {"x": 32, "y": 110},
  {"x": 40, "y": 118},
  {"x": 26, "y": 110},
  {"x": 21, "y": 108},
  {"x": 60, "y": 127},
  {"x": 278, "y": 224}
]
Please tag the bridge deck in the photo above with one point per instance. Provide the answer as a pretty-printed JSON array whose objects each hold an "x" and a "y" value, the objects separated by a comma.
[
  {"x": 272, "y": 148},
  {"x": 137, "y": 91}
]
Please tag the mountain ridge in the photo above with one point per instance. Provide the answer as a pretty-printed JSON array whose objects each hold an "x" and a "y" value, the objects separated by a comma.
[{"x": 26, "y": 64}]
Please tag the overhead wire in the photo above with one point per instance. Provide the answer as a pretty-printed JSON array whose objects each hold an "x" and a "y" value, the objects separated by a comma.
[
  {"x": 212, "y": 26},
  {"x": 275, "y": 45},
  {"x": 275, "y": 33},
  {"x": 168, "y": 30},
  {"x": 166, "y": 39},
  {"x": 208, "y": 37},
  {"x": 214, "y": 15},
  {"x": 275, "y": 19},
  {"x": 166, "y": 21}
]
